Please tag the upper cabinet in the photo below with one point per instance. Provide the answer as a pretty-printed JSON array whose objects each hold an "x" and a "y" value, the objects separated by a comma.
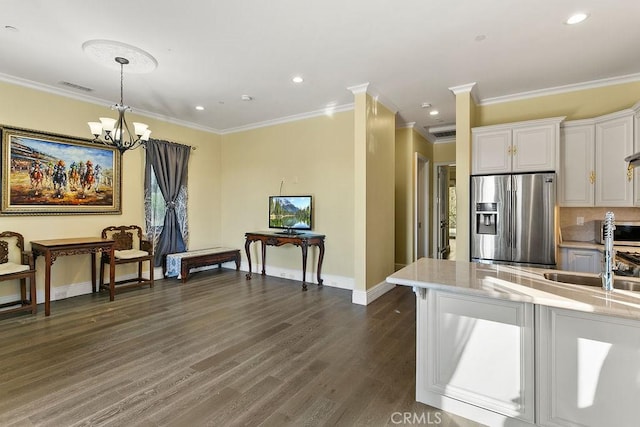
[
  {"x": 614, "y": 177},
  {"x": 530, "y": 146},
  {"x": 592, "y": 168}
]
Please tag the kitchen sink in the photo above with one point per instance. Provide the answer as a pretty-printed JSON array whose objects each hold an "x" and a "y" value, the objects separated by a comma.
[{"x": 577, "y": 279}]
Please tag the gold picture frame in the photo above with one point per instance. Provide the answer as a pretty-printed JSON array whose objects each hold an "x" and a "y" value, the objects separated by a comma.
[{"x": 50, "y": 174}]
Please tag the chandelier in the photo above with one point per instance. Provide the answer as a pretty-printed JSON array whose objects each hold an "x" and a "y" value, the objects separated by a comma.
[{"x": 117, "y": 132}]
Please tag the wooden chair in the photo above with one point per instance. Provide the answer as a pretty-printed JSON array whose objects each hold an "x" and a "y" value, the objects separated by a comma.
[
  {"x": 129, "y": 248},
  {"x": 17, "y": 264}
]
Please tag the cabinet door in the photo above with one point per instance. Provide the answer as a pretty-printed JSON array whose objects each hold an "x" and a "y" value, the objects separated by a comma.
[
  {"x": 587, "y": 369},
  {"x": 614, "y": 181},
  {"x": 534, "y": 148},
  {"x": 581, "y": 260},
  {"x": 491, "y": 152},
  {"x": 577, "y": 166},
  {"x": 478, "y": 351}
]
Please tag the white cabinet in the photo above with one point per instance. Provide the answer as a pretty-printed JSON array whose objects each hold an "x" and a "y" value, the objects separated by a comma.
[
  {"x": 588, "y": 369},
  {"x": 530, "y": 146},
  {"x": 475, "y": 356},
  {"x": 592, "y": 168},
  {"x": 582, "y": 260},
  {"x": 614, "y": 178},
  {"x": 577, "y": 164}
]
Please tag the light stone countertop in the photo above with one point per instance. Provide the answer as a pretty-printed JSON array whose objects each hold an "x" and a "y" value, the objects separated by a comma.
[{"x": 513, "y": 283}]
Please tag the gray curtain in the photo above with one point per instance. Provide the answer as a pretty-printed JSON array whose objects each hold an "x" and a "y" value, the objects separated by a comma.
[{"x": 169, "y": 162}]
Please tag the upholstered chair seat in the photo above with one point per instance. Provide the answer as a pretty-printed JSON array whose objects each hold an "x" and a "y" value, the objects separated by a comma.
[{"x": 17, "y": 265}]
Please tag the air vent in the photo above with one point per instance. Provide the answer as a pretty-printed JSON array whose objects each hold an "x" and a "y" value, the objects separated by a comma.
[
  {"x": 77, "y": 87},
  {"x": 443, "y": 131}
]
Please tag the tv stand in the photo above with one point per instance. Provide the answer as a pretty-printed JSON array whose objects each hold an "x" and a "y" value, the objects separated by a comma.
[
  {"x": 289, "y": 232},
  {"x": 303, "y": 240}
]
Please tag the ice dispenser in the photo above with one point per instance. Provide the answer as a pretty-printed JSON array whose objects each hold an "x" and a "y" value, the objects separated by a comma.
[{"x": 486, "y": 218}]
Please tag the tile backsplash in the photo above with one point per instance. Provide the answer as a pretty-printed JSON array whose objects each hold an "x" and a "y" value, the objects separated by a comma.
[{"x": 570, "y": 231}]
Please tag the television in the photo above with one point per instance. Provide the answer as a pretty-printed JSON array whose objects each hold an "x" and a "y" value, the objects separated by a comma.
[{"x": 291, "y": 213}]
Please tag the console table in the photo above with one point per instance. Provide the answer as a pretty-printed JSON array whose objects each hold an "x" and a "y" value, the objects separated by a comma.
[
  {"x": 51, "y": 249},
  {"x": 271, "y": 238}
]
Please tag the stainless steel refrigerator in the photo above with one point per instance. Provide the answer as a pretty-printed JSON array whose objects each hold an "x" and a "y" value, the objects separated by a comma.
[{"x": 513, "y": 219}]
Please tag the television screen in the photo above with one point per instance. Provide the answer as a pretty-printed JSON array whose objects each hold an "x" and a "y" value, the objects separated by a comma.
[{"x": 290, "y": 212}]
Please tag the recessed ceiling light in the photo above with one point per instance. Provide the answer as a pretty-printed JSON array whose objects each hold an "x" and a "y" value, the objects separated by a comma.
[
  {"x": 576, "y": 18},
  {"x": 426, "y": 105},
  {"x": 297, "y": 79},
  {"x": 434, "y": 112},
  {"x": 246, "y": 98},
  {"x": 199, "y": 107}
]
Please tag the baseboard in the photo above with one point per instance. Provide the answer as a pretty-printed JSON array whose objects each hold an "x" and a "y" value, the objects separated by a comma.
[
  {"x": 370, "y": 295},
  {"x": 331, "y": 280},
  {"x": 59, "y": 292}
]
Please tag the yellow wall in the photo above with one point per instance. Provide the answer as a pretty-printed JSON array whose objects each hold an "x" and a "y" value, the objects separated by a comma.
[
  {"x": 403, "y": 196},
  {"x": 32, "y": 109},
  {"x": 444, "y": 152},
  {"x": 374, "y": 165},
  {"x": 313, "y": 156},
  {"x": 409, "y": 143},
  {"x": 580, "y": 104},
  {"x": 466, "y": 115}
]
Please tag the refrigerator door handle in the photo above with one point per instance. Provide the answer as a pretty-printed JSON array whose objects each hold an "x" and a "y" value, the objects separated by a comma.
[
  {"x": 514, "y": 203},
  {"x": 508, "y": 206}
]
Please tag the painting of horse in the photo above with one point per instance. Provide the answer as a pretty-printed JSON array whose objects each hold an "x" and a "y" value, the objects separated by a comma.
[{"x": 52, "y": 174}]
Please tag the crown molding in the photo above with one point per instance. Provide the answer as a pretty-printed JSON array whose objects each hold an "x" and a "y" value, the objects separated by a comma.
[
  {"x": 466, "y": 88},
  {"x": 328, "y": 111},
  {"x": 421, "y": 131},
  {"x": 372, "y": 91},
  {"x": 629, "y": 78},
  {"x": 97, "y": 101}
]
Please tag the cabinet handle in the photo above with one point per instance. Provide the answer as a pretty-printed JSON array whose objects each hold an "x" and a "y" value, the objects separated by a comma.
[
  {"x": 509, "y": 150},
  {"x": 515, "y": 150},
  {"x": 592, "y": 177},
  {"x": 629, "y": 172}
]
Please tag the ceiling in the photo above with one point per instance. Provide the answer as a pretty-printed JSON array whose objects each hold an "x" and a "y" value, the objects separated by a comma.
[{"x": 411, "y": 52}]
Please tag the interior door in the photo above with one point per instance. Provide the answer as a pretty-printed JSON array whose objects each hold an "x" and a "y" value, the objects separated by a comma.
[{"x": 442, "y": 201}]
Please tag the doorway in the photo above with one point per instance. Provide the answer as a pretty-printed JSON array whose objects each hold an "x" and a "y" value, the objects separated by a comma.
[
  {"x": 445, "y": 220},
  {"x": 421, "y": 213}
]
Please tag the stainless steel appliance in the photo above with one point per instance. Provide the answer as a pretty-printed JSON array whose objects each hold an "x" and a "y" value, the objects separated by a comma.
[
  {"x": 513, "y": 219},
  {"x": 626, "y": 233}
]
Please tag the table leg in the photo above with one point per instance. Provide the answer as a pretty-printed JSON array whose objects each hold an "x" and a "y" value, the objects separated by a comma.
[
  {"x": 304, "y": 248},
  {"x": 112, "y": 274},
  {"x": 47, "y": 283},
  {"x": 93, "y": 271},
  {"x": 247, "y": 245},
  {"x": 320, "y": 258},
  {"x": 264, "y": 255}
]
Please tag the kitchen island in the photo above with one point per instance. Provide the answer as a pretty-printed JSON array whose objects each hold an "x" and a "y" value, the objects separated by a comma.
[{"x": 504, "y": 346}]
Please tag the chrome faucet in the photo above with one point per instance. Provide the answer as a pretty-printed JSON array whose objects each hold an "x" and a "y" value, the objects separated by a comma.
[{"x": 607, "y": 270}]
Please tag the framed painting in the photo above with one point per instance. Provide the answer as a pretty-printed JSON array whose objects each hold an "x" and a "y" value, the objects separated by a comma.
[{"x": 49, "y": 174}]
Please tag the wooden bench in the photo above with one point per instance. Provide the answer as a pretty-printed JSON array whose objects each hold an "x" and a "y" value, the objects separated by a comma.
[{"x": 198, "y": 258}]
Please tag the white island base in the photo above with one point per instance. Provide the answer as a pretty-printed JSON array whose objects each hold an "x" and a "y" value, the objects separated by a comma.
[{"x": 506, "y": 347}]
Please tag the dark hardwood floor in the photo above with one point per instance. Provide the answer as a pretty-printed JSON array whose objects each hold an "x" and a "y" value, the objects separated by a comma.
[{"x": 217, "y": 351}]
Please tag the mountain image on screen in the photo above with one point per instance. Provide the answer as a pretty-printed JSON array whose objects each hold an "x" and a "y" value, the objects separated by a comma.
[{"x": 291, "y": 212}]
